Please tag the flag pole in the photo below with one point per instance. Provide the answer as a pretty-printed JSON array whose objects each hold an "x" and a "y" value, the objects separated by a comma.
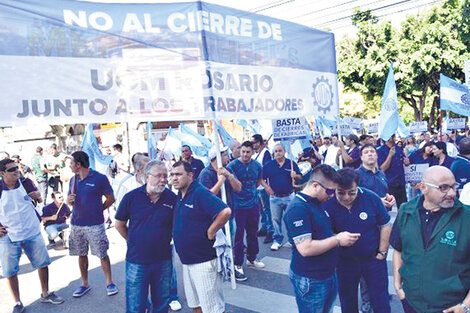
[
  {"x": 223, "y": 192},
  {"x": 291, "y": 162},
  {"x": 339, "y": 138}
]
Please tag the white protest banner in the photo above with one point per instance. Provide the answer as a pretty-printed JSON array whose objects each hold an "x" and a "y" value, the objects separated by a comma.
[
  {"x": 355, "y": 122},
  {"x": 373, "y": 128},
  {"x": 66, "y": 62},
  {"x": 418, "y": 127},
  {"x": 414, "y": 172},
  {"x": 290, "y": 128},
  {"x": 456, "y": 123},
  {"x": 346, "y": 130}
]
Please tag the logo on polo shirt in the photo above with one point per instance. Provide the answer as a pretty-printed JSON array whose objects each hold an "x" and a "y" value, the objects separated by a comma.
[
  {"x": 449, "y": 238},
  {"x": 189, "y": 205},
  {"x": 327, "y": 214},
  {"x": 89, "y": 184},
  {"x": 167, "y": 205},
  {"x": 298, "y": 223},
  {"x": 363, "y": 216}
]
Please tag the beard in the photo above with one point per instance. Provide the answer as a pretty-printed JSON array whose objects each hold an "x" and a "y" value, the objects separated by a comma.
[{"x": 155, "y": 189}]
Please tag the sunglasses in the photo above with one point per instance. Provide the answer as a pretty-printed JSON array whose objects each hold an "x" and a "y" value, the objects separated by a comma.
[
  {"x": 11, "y": 169},
  {"x": 328, "y": 191}
]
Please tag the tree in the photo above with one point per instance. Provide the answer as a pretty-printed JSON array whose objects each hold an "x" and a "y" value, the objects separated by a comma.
[{"x": 427, "y": 44}]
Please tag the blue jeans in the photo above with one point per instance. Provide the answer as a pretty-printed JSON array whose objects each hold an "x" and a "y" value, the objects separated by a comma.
[
  {"x": 313, "y": 295},
  {"x": 10, "y": 253},
  {"x": 139, "y": 277},
  {"x": 54, "y": 230},
  {"x": 278, "y": 207},
  {"x": 266, "y": 221}
]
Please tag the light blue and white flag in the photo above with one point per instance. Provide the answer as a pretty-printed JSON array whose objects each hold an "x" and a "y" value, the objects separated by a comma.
[
  {"x": 403, "y": 130},
  {"x": 223, "y": 133},
  {"x": 98, "y": 161},
  {"x": 192, "y": 138},
  {"x": 252, "y": 125},
  {"x": 151, "y": 145},
  {"x": 389, "y": 117},
  {"x": 454, "y": 96}
]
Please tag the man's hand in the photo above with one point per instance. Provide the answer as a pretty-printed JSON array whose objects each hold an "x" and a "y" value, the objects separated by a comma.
[
  {"x": 406, "y": 161},
  {"x": 210, "y": 235},
  {"x": 340, "y": 144},
  {"x": 455, "y": 309},
  {"x": 54, "y": 217},
  {"x": 293, "y": 174},
  {"x": 347, "y": 239},
  {"x": 221, "y": 178},
  {"x": 388, "y": 201},
  {"x": 380, "y": 257},
  {"x": 392, "y": 151},
  {"x": 401, "y": 294},
  {"x": 223, "y": 171},
  {"x": 71, "y": 199},
  {"x": 269, "y": 190},
  {"x": 3, "y": 231}
]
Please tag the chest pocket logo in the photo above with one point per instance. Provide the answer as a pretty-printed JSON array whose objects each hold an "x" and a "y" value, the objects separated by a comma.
[
  {"x": 449, "y": 238},
  {"x": 363, "y": 216},
  {"x": 298, "y": 223}
]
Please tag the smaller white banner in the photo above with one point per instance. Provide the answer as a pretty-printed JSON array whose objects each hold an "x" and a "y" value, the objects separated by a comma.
[
  {"x": 346, "y": 130},
  {"x": 290, "y": 128},
  {"x": 414, "y": 172},
  {"x": 418, "y": 127},
  {"x": 456, "y": 123},
  {"x": 373, "y": 128},
  {"x": 355, "y": 122},
  {"x": 467, "y": 73}
]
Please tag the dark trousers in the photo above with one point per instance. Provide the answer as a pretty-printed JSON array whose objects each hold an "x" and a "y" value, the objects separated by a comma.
[
  {"x": 246, "y": 220},
  {"x": 374, "y": 273},
  {"x": 399, "y": 192}
]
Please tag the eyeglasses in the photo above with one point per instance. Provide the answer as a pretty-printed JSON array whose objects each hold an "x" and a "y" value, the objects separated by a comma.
[
  {"x": 12, "y": 169},
  {"x": 328, "y": 191},
  {"x": 444, "y": 188},
  {"x": 159, "y": 176}
]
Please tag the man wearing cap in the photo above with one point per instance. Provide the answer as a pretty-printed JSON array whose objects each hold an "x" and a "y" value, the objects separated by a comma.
[
  {"x": 20, "y": 230},
  {"x": 262, "y": 155},
  {"x": 351, "y": 156},
  {"x": 196, "y": 164},
  {"x": 212, "y": 177},
  {"x": 359, "y": 210},
  {"x": 280, "y": 174}
]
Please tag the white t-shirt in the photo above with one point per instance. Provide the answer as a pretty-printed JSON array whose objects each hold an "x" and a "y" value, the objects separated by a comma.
[{"x": 465, "y": 194}]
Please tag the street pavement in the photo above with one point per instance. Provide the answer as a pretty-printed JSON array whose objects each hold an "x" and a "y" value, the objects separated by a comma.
[{"x": 266, "y": 290}]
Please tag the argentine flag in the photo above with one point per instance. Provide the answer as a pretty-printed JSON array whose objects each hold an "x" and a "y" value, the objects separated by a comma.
[
  {"x": 389, "y": 117},
  {"x": 454, "y": 96}
]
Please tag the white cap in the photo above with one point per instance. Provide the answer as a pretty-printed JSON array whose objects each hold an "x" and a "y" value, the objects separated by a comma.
[{"x": 213, "y": 152}]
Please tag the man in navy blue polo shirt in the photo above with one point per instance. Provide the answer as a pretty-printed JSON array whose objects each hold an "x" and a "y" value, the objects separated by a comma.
[
  {"x": 247, "y": 208},
  {"x": 196, "y": 164},
  {"x": 54, "y": 217},
  {"x": 199, "y": 214},
  {"x": 359, "y": 210},
  {"x": 280, "y": 174},
  {"x": 149, "y": 210},
  {"x": 371, "y": 177},
  {"x": 391, "y": 159},
  {"x": 351, "y": 156},
  {"x": 87, "y": 189},
  {"x": 315, "y": 253}
]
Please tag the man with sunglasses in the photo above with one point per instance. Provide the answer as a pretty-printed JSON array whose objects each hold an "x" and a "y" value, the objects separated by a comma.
[
  {"x": 359, "y": 210},
  {"x": 20, "y": 229},
  {"x": 431, "y": 261},
  {"x": 315, "y": 246}
]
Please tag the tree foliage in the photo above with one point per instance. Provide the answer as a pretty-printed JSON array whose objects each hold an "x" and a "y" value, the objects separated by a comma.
[{"x": 435, "y": 41}]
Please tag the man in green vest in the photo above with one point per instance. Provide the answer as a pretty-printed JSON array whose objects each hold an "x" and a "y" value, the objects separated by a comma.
[{"x": 431, "y": 238}]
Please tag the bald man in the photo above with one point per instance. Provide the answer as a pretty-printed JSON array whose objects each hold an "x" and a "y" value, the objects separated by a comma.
[{"x": 431, "y": 261}]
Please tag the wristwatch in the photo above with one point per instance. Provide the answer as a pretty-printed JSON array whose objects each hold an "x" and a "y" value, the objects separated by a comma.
[
  {"x": 382, "y": 253},
  {"x": 465, "y": 307}
]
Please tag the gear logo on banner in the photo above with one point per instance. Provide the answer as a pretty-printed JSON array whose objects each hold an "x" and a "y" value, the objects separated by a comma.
[
  {"x": 465, "y": 99},
  {"x": 322, "y": 94}
]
